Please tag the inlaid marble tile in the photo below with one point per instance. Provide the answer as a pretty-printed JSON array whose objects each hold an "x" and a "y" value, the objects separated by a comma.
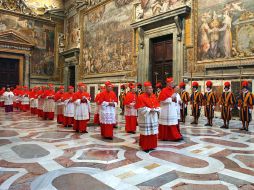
[{"x": 37, "y": 154}]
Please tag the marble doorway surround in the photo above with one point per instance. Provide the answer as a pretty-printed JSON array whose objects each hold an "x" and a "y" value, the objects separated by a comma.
[{"x": 168, "y": 23}]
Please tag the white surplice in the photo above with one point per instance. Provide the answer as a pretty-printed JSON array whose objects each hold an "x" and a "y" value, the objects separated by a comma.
[
  {"x": 81, "y": 110},
  {"x": 107, "y": 113},
  {"x": 69, "y": 108},
  {"x": 148, "y": 121},
  {"x": 8, "y": 98},
  {"x": 168, "y": 115}
]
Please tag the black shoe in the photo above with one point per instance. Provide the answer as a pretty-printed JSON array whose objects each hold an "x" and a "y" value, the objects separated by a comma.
[
  {"x": 246, "y": 129},
  {"x": 242, "y": 129},
  {"x": 207, "y": 124},
  {"x": 146, "y": 151},
  {"x": 223, "y": 127}
]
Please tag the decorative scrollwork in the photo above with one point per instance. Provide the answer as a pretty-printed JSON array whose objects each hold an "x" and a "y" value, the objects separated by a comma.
[{"x": 16, "y": 6}]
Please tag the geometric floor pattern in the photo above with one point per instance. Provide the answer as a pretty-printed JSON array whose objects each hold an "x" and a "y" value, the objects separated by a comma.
[{"x": 41, "y": 155}]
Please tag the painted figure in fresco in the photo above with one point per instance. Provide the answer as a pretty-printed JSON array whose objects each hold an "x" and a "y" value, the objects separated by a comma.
[
  {"x": 227, "y": 37},
  {"x": 214, "y": 37},
  {"x": 204, "y": 43}
]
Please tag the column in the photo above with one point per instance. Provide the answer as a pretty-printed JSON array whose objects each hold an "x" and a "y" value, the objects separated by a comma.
[{"x": 27, "y": 70}]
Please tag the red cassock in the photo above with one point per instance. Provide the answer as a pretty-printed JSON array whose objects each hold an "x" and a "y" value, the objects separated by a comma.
[
  {"x": 81, "y": 111},
  {"x": 49, "y": 105},
  {"x": 32, "y": 95},
  {"x": 59, "y": 106},
  {"x": 25, "y": 107},
  {"x": 130, "y": 112},
  {"x": 107, "y": 113},
  {"x": 148, "y": 125},
  {"x": 68, "y": 119},
  {"x": 40, "y": 102},
  {"x": 1, "y": 98},
  {"x": 96, "y": 114},
  {"x": 168, "y": 122}
]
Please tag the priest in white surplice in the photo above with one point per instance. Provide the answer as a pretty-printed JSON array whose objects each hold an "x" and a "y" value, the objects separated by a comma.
[
  {"x": 107, "y": 102},
  {"x": 8, "y": 100},
  {"x": 168, "y": 122},
  {"x": 148, "y": 109}
]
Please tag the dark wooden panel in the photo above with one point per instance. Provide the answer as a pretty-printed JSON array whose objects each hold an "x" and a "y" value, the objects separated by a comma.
[
  {"x": 115, "y": 89},
  {"x": 162, "y": 56},
  {"x": 92, "y": 93},
  {"x": 9, "y": 72},
  {"x": 72, "y": 76},
  {"x": 169, "y": 50}
]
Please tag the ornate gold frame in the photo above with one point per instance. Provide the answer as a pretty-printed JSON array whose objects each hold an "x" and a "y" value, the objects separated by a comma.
[{"x": 201, "y": 64}]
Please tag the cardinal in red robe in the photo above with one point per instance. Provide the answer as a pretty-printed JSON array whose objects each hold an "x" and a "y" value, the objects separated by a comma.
[
  {"x": 108, "y": 102},
  {"x": 130, "y": 111},
  {"x": 148, "y": 110},
  {"x": 49, "y": 103},
  {"x": 59, "y": 104},
  {"x": 82, "y": 107},
  {"x": 69, "y": 107},
  {"x": 168, "y": 122},
  {"x": 97, "y": 106}
]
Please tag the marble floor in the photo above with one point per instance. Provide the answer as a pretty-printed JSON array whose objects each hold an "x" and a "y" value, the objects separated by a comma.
[{"x": 41, "y": 155}]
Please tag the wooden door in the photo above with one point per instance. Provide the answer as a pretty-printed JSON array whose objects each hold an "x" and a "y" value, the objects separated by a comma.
[
  {"x": 162, "y": 59},
  {"x": 92, "y": 93},
  {"x": 72, "y": 76},
  {"x": 9, "y": 72}
]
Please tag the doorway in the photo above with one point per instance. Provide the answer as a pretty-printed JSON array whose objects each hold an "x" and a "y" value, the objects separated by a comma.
[
  {"x": 162, "y": 58},
  {"x": 72, "y": 76},
  {"x": 9, "y": 72}
]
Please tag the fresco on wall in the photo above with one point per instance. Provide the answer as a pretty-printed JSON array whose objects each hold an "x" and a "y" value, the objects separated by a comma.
[
  {"x": 149, "y": 8},
  {"x": 38, "y": 33},
  {"x": 107, "y": 40},
  {"x": 226, "y": 29},
  {"x": 31, "y": 7},
  {"x": 73, "y": 32}
]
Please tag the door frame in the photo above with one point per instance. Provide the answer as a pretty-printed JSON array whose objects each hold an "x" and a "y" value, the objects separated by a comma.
[
  {"x": 21, "y": 64},
  {"x": 145, "y": 58}
]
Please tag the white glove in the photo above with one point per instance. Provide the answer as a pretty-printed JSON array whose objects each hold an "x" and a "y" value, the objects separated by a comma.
[
  {"x": 185, "y": 105},
  {"x": 199, "y": 107},
  {"x": 213, "y": 107},
  {"x": 220, "y": 106},
  {"x": 231, "y": 109},
  {"x": 250, "y": 110},
  {"x": 238, "y": 108}
]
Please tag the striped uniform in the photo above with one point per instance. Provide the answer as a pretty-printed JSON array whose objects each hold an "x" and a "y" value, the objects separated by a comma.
[
  {"x": 209, "y": 103},
  {"x": 227, "y": 101},
  {"x": 196, "y": 102},
  {"x": 245, "y": 102},
  {"x": 185, "y": 97}
]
